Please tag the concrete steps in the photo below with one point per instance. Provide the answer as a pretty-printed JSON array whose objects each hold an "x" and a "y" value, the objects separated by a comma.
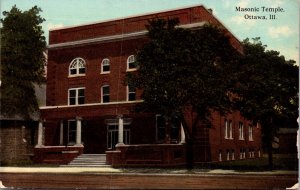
[{"x": 88, "y": 160}]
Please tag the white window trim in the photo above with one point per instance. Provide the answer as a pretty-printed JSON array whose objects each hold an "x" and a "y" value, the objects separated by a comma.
[
  {"x": 251, "y": 133},
  {"x": 220, "y": 156},
  {"x": 90, "y": 104},
  {"x": 228, "y": 155},
  {"x": 127, "y": 64},
  {"x": 102, "y": 63},
  {"x": 127, "y": 95},
  {"x": 232, "y": 155},
  {"x": 76, "y": 100},
  {"x": 103, "y": 94},
  {"x": 226, "y": 129},
  {"x": 77, "y": 67},
  {"x": 230, "y": 129},
  {"x": 241, "y": 131}
]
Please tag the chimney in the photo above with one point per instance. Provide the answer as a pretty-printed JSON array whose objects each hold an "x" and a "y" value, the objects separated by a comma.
[{"x": 210, "y": 10}]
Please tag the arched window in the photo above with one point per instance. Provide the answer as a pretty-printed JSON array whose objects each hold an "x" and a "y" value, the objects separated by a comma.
[
  {"x": 131, "y": 66},
  {"x": 77, "y": 67},
  {"x": 105, "y": 66}
]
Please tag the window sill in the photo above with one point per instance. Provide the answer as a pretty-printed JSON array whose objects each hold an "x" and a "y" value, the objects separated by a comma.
[
  {"x": 78, "y": 75},
  {"x": 130, "y": 70},
  {"x": 106, "y": 72}
]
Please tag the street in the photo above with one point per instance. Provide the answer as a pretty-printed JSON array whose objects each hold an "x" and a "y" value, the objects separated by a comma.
[{"x": 146, "y": 181}]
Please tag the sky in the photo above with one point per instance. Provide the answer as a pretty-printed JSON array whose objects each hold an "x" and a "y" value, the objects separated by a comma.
[{"x": 239, "y": 16}]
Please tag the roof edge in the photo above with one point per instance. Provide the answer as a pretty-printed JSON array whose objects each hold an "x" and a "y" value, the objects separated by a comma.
[{"x": 127, "y": 17}]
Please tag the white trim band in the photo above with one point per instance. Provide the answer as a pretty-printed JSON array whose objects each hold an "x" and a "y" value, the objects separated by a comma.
[
  {"x": 115, "y": 37},
  {"x": 94, "y": 104}
]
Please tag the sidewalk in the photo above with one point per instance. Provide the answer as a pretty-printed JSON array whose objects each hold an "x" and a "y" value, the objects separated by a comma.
[{"x": 95, "y": 170}]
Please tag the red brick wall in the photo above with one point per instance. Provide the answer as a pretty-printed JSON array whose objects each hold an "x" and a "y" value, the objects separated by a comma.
[
  {"x": 208, "y": 141},
  {"x": 218, "y": 141},
  {"x": 58, "y": 81},
  {"x": 17, "y": 140},
  {"x": 129, "y": 25}
]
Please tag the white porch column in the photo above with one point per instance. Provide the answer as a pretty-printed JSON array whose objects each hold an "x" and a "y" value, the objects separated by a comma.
[
  {"x": 120, "y": 130},
  {"x": 61, "y": 133},
  {"x": 40, "y": 135},
  {"x": 78, "y": 131},
  {"x": 182, "y": 135}
]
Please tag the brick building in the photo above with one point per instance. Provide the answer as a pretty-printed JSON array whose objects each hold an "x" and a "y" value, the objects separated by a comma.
[
  {"x": 18, "y": 136},
  {"x": 89, "y": 110}
]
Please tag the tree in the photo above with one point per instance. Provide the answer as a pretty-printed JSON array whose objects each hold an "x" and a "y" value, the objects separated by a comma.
[
  {"x": 183, "y": 70},
  {"x": 267, "y": 90},
  {"x": 22, "y": 61}
]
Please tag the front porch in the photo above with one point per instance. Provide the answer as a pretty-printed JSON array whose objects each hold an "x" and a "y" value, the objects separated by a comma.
[
  {"x": 165, "y": 155},
  {"x": 122, "y": 153}
]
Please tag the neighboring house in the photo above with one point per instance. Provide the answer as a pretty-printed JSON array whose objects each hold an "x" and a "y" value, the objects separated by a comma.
[
  {"x": 89, "y": 109},
  {"x": 18, "y": 136}
]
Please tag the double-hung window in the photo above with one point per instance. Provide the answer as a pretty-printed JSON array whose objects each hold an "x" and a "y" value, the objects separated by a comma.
[
  {"x": 250, "y": 133},
  {"x": 241, "y": 131},
  {"x": 76, "y": 96},
  {"x": 226, "y": 129},
  {"x": 105, "y": 94},
  {"x": 131, "y": 92},
  {"x": 77, "y": 67},
  {"x": 230, "y": 136}
]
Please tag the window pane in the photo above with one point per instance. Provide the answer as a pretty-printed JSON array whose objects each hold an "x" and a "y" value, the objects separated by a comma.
[
  {"x": 80, "y": 100},
  {"x": 131, "y": 97},
  {"x": 105, "y": 68},
  {"x": 131, "y": 65},
  {"x": 72, "y": 93},
  {"x": 72, "y": 101},
  {"x": 73, "y": 71},
  {"x": 105, "y": 90},
  {"x": 105, "y": 98},
  {"x": 81, "y": 70},
  {"x": 80, "y": 92}
]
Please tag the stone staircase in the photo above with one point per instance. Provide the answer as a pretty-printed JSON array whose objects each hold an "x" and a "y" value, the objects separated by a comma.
[{"x": 88, "y": 160}]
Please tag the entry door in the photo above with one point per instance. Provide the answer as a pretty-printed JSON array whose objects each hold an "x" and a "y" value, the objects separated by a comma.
[{"x": 113, "y": 136}]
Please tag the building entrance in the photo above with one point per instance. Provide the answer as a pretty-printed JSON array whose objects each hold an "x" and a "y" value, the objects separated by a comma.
[{"x": 112, "y": 136}]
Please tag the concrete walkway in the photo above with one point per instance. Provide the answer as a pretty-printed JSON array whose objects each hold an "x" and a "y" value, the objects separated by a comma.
[
  {"x": 58, "y": 170},
  {"x": 137, "y": 171}
]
